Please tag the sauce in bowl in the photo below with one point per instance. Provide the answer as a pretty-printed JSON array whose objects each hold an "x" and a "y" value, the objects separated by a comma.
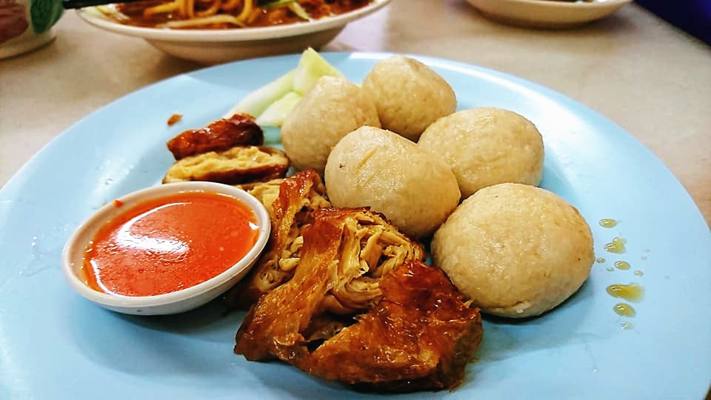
[{"x": 170, "y": 243}]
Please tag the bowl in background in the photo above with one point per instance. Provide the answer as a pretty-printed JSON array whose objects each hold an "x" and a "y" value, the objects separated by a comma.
[
  {"x": 550, "y": 14},
  {"x": 26, "y": 25}
]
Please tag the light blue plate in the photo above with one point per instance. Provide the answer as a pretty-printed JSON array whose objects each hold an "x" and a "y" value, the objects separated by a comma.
[{"x": 55, "y": 344}]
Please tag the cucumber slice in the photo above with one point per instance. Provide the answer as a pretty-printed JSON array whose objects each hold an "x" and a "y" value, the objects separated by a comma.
[
  {"x": 279, "y": 110},
  {"x": 311, "y": 67},
  {"x": 256, "y": 102},
  {"x": 271, "y": 103}
]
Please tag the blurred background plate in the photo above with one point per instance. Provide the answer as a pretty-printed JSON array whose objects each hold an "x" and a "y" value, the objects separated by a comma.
[
  {"x": 551, "y": 14},
  {"x": 56, "y": 345},
  {"x": 212, "y": 46}
]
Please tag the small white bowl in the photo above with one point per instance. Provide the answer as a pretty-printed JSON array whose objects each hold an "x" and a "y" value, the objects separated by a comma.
[
  {"x": 173, "y": 302},
  {"x": 546, "y": 13},
  {"x": 212, "y": 46}
]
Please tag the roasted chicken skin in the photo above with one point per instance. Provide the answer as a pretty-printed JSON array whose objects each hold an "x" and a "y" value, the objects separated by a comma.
[
  {"x": 220, "y": 135},
  {"x": 413, "y": 331}
]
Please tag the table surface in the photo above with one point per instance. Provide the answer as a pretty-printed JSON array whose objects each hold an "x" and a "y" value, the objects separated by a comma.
[{"x": 647, "y": 76}]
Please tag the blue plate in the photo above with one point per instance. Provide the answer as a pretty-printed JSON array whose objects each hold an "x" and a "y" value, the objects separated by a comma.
[{"x": 55, "y": 344}]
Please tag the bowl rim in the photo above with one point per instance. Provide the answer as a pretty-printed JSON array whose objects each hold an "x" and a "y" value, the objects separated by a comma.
[
  {"x": 553, "y": 4},
  {"x": 94, "y": 17},
  {"x": 106, "y": 212}
]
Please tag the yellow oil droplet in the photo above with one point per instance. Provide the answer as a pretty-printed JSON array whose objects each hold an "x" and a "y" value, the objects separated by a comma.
[
  {"x": 638, "y": 273},
  {"x": 616, "y": 246},
  {"x": 631, "y": 292},
  {"x": 600, "y": 260},
  {"x": 623, "y": 265},
  {"x": 608, "y": 223},
  {"x": 626, "y": 325},
  {"x": 624, "y": 310}
]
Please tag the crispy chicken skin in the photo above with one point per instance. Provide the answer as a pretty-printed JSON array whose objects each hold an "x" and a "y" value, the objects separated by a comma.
[
  {"x": 400, "y": 327},
  {"x": 220, "y": 135},
  {"x": 290, "y": 208},
  {"x": 239, "y": 164}
]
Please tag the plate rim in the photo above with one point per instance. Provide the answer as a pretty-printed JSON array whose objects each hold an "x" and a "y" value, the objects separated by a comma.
[{"x": 559, "y": 4}]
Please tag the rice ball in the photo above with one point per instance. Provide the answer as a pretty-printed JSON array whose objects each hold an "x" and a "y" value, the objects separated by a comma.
[
  {"x": 333, "y": 108},
  {"x": 515, "y": 250},
  {"x": 409, "y": 95},
  {"x": 376, "y": 168},
  {"x": 486, "y": 146}
]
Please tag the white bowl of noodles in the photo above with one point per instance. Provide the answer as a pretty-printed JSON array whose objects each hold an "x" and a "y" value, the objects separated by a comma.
[{"x": 209, "y": 45}]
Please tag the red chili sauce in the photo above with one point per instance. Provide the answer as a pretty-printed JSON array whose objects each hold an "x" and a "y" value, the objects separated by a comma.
[{"x": 168, "y": 244}]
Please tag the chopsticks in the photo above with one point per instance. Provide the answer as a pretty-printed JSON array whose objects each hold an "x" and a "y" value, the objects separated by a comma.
[{"x": 70, "y": 4}]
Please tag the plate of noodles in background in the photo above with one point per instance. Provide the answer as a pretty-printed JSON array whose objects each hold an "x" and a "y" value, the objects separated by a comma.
[{"x": 215, "y": 31}]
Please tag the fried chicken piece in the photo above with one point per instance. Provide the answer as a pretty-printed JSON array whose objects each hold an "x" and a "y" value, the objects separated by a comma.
[
  {"x": 220, "y": 135},
  {"x": 417, "y": 331},
  {"x": 236, "y": 165},
  {"x": 290, "y": 212}
]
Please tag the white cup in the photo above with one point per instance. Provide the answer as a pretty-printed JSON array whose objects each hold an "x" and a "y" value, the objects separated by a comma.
[{"x": 27, "y": 24}]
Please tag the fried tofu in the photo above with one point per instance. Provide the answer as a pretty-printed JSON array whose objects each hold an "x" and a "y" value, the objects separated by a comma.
[
  {"x": 236, "y": 165},
  {"x": 376, "y": 319},
  {"x": 290, "y": 211}
]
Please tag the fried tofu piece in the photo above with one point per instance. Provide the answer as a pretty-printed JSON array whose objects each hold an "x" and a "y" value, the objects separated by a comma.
[
  {"x": 370, "y": 248},
  {"x": 420, "y": 336},
  {"x": 417, "y": 333},
  {"x": 265, "y": 192},
  {"x": 220, "y": 135},
  {"x": 273, "y": 327},
  {"x": 290, "y": 207},
  {"x": 233, "y": 166}
]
